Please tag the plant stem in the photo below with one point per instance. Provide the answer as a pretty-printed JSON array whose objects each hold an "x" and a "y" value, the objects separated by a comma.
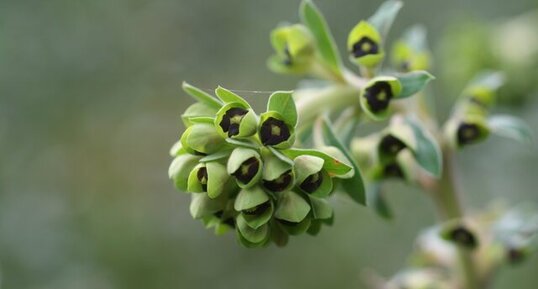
[
  {"x": 446, "y": 196},
  {"x": 315, "y": 102}
]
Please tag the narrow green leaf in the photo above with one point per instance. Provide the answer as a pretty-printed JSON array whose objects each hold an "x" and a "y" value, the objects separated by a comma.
[
  {"x": 201, "y": 119},
  {"x": 227, "y": 96},
  {"x": 314, "y": 20},
  {"x": 385, "y": 15},
  {"x": 511, "y": 127},
  {"x": 216, "y": 156},
  {"x": 333, "y": 166},
  {"x": 376, "y": 200},
  {"x": 413, "y": 82},
  {"x": 489, "y": 79},
  {"x": 283, "y": 103},
  {"x": 201, "y": 96},
  {"x": 242, "y": 143},
  {"x": 353, "y": 186},
  {"x": 281, "y": 156},
  {"x": 427, "y": 152}
]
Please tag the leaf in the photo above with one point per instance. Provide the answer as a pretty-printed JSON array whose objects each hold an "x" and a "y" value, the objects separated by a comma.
[
  {"x": 353, "y": 186},
  {"x": 227, "y": 96},
  {"x": 216, "y": 156},
  {"x": 201, "y": 96},
  {"x": 511, "y": 127},
  {"x": 385, "y": 15},
  {"x": 283, "y": 103},
  {"x": 280, "y": 156},
  {"x": 242, "y": 143},
  {"x": 314, "y": 20},
  {"x": 489, "y": 79},
  {"x": 427, "y": 151},
  {"x": 376, "y": 199},
  {"x": 413, "y": 82},
  {"x": 331, "y": 165}
]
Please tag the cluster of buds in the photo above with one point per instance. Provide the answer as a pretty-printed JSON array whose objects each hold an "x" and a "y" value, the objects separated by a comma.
[
  {"x": 244, "y": 174},
  {"x": 496, "y": 237}
]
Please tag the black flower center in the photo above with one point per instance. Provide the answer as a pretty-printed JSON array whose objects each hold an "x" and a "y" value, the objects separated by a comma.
[
  {"x": 247, "y": 170},
  {"x": 378, "y": 96},
  {"x": 515, "y": 255},
  {"x": 280, "y": 183},
  {"x": 393, "y": 170},
  {"x": 258, "y": 210},
  {"x": 202, "y": 177},
  {"x": 312, "y": 183},
  {"x": 274, "y": 131},
  {"x": 287, "y": 57},
  {"x": 231, "y": 120},
  {"x": 464, "y": 237},
  {"x": 391, "y": 146},
  {"x": 363, "y": 47},
  {"x": 467, "y": 133}
]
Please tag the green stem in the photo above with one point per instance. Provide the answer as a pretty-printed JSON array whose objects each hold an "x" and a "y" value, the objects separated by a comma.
[
  {"x": 447, "y": 200},
  {"x": 315, "y": 102}
]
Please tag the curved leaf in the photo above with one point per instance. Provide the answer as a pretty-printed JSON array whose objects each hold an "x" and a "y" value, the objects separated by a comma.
[
  {"x": 201, "y": 96},
  {"x": 283, "y": 103},
  {"x": 413, "y": 82},
  {"x": 427, "y": 151},
  {"x": 511, "y": 127}
]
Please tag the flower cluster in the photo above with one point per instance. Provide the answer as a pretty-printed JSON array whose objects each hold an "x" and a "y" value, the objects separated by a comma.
[{"x": 245, "y": 175}]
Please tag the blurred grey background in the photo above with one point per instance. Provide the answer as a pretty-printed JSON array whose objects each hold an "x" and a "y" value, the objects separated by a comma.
[{"x": 89, "y": 105}]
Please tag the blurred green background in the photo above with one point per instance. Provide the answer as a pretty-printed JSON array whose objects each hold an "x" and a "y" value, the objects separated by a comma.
[{"x": 89, "y": 105}]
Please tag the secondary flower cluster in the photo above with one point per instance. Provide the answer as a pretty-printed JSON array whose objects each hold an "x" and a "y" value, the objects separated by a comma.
[{"x": 244, "y": 174}]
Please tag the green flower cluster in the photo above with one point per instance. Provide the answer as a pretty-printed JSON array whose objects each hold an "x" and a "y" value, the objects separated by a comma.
[
  {"x": 244, "y": 174},
  {"x": 471, "y": 121}
]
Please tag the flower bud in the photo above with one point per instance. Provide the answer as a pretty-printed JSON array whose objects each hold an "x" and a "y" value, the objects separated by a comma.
[
  {"x": 246, "y": 166},
  {"x": 252, "y": 237},
  {"x": 180, "y": 168},
  {"x": 202, "y": 138},
  {"x": 377, "y": 94},
  {"x": 410, "y": 53},
  {"x": 203, "y": 206},
  {"x": 460, "y": 235},
  {"x": 210, "y": 177},
  {"x": 465, "y": 131},
  {"x": 236, "y": 120},
  {"x": 311, "y": 177},
  {"x": 294, "y": 47},
  {"x": 291, "y": 207},
  {"x": 255, "y": 206},
  {"x": 364, "y": 45},
  {"x": 275, "y": 131},
  {"x": 278, "y": 175},
  {"x": 198, "y": 109}
]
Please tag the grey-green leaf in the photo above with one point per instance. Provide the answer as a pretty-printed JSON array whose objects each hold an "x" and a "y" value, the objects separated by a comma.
[
  {"x": 385, "y": 15},
  {"x": 427, "y": 153},
  {"x": 511, "y": 127},
  {"x": 413, "y": 82},
  {"x": 353, "y": 186},
  {"x": 201, "y": 96},
  {"x": 283, "y": 103},
  {"x": 376, "y": 200},
  {"x": 314, "y": 20}
]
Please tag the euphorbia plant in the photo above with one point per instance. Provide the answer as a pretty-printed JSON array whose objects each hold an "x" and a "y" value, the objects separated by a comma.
[{"x": 269, "y": 175}]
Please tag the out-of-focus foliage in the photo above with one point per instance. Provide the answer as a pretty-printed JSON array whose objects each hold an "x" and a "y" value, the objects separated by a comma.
[
  {"x": 507, "y": 44},
  {"x": 89, "y": 102}
]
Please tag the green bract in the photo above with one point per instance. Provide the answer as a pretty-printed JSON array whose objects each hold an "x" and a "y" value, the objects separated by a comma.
[
  {"x": 294, "y": 47},
  {"x": 311, "y": 177},
  {"x": 246, "y": 166},
  {"x": 236, "y": 120},
  {"x": 364, "y": 45},
  {"x": 466, "y": 130},
  {"x": 180, "y": 168},
  {"x": 377, "y": 95},
  {"x": 275, "y": 130},
  {"x": 410, "y": 53},
  {"x": 278, "y": 175},
  {"x": 202, "y": 138}
]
